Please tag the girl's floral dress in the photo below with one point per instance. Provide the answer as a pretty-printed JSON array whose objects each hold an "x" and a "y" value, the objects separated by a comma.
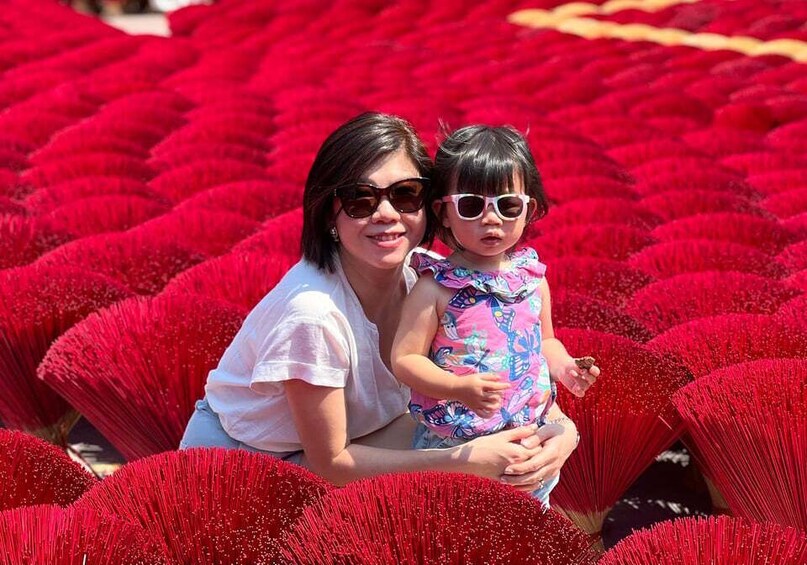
[{"x": 491, "y": 324}]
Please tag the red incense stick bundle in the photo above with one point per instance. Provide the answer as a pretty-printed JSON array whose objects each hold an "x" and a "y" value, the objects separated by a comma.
[{"x": 430, "y": 517}]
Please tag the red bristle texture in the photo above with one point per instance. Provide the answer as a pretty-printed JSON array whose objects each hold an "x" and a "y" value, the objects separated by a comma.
[
  {"x": 707, "y": 344},
  {"x": 88, "y": 164},
  {"x": 37, "y": 305},
  {"x": 210, "y": 506},
  {"x": 613, "y": 242},
  {"x": 748, "y": 426},
  {"x": 710, "y": 540},
  {"x": 794, "y": 257},
  {"x": 280, "y": 234},
  {"x": 573, "y": 167},
  {"x": 198, "y": 133},
  {"x": 143, "y": 262},
  {"x": 679, "y": 299},
  {"x": 185, "y": 181},
  {"x": 48, "y": 199},
  {"x": 240, "y": 278},
  {"x": 571, "y": 188},
  {"x": 792, "y": 311},
  {"x": 625, "y": 421},
  {"x": 101, "y": 214},
  {"x": 722, "y": 141},
  {"x": 679, "y": 203},
  {"x": 33, "y": 471},
  {"x": 141, "y": 401},
  {"x": 195, "y": 152},
  {"x": 51, "y": 535},
  {"x": 65, "y": 144},
  {"x": 773, "y": 182},
  {"x": 610, "y": 281},
  {"x": 763, "y": 162},
  {"x": 572, "y": 310},
  {"x": 672, "y": 258},
  {"x": 33, "y": 127},
  {"x": 23, "y": 239},
  {"x": 617, "y": 211},
  {"x": 9, "y": 207},
  {"x": 708, "y": 180},
  {"x": 787, "y": 203},
  {"x": 635, "y": 154},
  {"x": 257, "y": 200},
  {"x": 766, "y": 235},
  {"x": 210, "y": 232},
  {"x": 412, "y": 518}
]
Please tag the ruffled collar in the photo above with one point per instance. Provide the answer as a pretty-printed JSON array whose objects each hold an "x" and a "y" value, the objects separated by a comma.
[{"x": 520, "y": 279}]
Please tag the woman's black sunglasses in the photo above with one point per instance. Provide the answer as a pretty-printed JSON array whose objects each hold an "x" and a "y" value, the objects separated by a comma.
[{"x": 361, "y": 199}]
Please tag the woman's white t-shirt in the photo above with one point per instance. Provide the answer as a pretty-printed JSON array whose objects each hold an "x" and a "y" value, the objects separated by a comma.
[{"x": 311, "y": 326}]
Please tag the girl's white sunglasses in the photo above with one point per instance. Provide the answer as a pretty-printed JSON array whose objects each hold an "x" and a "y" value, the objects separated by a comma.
[{"x": 472, "y": 206}]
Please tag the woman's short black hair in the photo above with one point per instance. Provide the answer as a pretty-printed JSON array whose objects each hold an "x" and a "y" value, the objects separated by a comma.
[
  {"x": 344, "y": 157},
  {"x": 485, "y": 160}
]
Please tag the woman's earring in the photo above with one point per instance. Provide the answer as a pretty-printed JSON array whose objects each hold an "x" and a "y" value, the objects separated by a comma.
[{"x": 334, "y": 234}]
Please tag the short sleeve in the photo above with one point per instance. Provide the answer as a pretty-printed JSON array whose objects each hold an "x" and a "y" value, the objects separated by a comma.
[{"x": 314, "y": 350}]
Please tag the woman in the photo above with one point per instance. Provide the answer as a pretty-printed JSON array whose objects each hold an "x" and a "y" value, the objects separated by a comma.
[{"x": 307, "y": 377}]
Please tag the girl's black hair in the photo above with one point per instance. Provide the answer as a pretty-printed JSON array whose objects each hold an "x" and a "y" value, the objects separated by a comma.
[
  {"x": 486, "y": 160},
  {"x": 344, "y": 157}
]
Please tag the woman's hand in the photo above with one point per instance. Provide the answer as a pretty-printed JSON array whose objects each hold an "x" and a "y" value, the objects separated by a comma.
[
  {"x": 551, "y": 446},
  {"x": 489, "y": 456}
]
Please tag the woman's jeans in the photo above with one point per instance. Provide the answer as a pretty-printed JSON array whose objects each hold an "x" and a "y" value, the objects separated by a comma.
[
  {"x": 204, "y": 430},
  {"x": 424, "y": 438}
]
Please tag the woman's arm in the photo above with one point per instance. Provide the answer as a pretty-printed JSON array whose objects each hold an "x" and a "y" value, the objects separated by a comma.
[
  {"x": 411, "y": 365},
  {"x": 321, "y": 421}
]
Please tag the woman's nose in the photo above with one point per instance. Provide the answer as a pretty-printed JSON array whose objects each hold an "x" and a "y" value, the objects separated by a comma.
[{"x": 385, "y": 210}]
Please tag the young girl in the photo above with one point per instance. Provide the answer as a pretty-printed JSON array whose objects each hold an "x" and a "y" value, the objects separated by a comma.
[{"x": 475, "y": 342}]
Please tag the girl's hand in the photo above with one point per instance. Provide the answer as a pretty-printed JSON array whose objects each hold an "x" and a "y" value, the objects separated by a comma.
[
  {"x": 556, "y": 444},
  {"x": 481, "y": 392},
  {"x": 577, "y": 375}
]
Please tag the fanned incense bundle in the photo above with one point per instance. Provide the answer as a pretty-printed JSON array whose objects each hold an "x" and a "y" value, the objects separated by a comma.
[
  {"x": 707, "y": 344},
  {"x": 24, "y": 239},
  {"x": 614, "y": 242},
  {"x": 573, "y": 310},
  {"x": 624, "y": 421},
  {"x": 37, "y": 305},
  {"x": 136, "y": 369},
  {"x": 430, "y": 517},
  {"x": 240, "y": 278},
  {"x": 102, "y": 214},
  {"x": 766, "y": 235},
  {"x": 205, "y": 231},
  {"x": 720, "y": 540},
  {"x": 33, "y": 471},
  {"x": 679, "y": 299},
  {"x": 748, "y": 427},
  {"x": 52, "y": 535},
  {"x": 210, "y": 506},
  {"x": 144, "y": 262},
  {"x": 672, "y": 258}
]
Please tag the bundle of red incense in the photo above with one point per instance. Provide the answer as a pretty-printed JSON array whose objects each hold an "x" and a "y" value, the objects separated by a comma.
[
  {"x": 210, "y": 506},
  {"x": 712, "y": 540},
  {"x": 429, "y": 517},
  {"x": 747, "y": 424}
]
